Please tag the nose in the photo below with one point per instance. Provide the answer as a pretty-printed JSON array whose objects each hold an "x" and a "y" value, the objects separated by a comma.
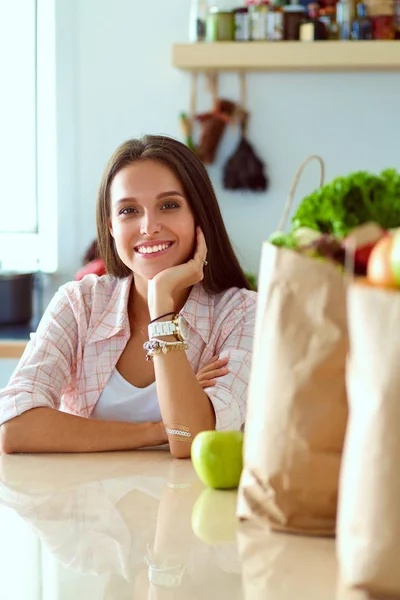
[{"x": 149, "y": 224}]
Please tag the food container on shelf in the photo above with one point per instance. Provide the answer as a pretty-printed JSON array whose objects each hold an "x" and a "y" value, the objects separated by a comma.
[{"x": 220, "y": 25}]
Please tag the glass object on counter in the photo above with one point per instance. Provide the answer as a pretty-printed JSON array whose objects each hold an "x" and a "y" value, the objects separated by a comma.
[
  {"x": 220, "y": 25},
  {"x": 312, "y": 28},
  {"x": 198, "y": 18},
  {"x": 382, "y": 27},
  {"x": 344, "y": 17},
  {"x": 242, "y": 24},
  {"x": 293, "y": 15},
  {"x": 362, "y": 26}
]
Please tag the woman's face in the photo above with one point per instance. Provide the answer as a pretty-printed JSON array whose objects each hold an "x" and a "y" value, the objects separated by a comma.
[{"x": 151, "y": 220}]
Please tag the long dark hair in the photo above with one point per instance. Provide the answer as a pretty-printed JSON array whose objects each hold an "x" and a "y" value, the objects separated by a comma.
[{"x": 223, "y": 270}]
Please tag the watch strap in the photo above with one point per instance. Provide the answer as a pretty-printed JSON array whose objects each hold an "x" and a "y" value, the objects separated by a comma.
[{"x": 160, "y": 328}]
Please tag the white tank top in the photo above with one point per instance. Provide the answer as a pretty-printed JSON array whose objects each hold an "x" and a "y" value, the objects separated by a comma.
[{"x": 122, "y": 401}]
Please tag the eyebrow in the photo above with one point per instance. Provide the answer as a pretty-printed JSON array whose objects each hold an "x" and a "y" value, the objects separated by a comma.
[{"x": 159, "y": 197}]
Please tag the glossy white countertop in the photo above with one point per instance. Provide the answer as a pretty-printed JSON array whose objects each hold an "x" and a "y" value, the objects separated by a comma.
[{"x": 140, "y": 525}]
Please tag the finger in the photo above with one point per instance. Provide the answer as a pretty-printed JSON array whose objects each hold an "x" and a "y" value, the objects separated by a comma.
[
  {"x": 207, "y": 383},
  {"x": 212, "y": 374},
  {"x": 222, "y": 362},
  {"x": 217, "y": 373},
  {"x": 201, "y": 248},
  {"x": 212, "y": 361}
]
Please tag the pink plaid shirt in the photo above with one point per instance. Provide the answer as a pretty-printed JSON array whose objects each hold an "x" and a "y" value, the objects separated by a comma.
[{"x": 85, "y": 328}]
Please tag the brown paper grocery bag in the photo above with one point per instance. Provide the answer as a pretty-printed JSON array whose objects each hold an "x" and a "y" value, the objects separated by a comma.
[
  {"x": 369, "y": 505},
  {"x": 297, "y": 408}
]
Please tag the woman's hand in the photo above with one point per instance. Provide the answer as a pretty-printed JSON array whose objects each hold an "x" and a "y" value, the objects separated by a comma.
[
  {"x": 165, "y": 289},
  {"x": 208, "y": 375}
]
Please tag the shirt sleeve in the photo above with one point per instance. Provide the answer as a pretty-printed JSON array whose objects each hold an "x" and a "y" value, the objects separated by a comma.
[
  {"x": 229, "y": 395},
  {"x": 46, "y": 367}
]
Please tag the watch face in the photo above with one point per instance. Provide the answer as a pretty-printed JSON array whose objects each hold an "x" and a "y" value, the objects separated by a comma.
[{"x": 182, "y": 327}]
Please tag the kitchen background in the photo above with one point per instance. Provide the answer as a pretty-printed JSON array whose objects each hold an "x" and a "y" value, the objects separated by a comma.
[{"x": 115, "y": 80}]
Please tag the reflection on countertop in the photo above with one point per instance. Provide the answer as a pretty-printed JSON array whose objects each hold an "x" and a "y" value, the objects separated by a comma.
[{"x": 141, "y": 525}]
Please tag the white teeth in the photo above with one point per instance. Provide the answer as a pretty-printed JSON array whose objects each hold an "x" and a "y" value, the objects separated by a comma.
[{"x": 151, "y": 249}]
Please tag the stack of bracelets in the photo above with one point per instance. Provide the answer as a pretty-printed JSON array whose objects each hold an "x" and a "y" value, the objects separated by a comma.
[{"x": 155, "y": 346}]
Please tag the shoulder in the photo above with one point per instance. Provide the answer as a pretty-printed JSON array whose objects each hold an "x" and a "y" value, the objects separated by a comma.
[
  {"x": 91, "y": 292},
  {"x": 91, "y": 285}
]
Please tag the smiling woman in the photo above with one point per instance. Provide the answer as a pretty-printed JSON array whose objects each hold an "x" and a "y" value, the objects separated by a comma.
[{"x": 158, "y": 349}]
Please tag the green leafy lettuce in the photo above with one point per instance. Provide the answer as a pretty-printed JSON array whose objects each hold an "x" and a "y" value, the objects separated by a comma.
[{"x": 347, "y": 202}]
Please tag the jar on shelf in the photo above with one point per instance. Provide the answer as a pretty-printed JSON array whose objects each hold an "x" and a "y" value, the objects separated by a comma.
[
  {"x": 275, "y": 23},
  {"x": 327, "y": 16},
  {"x": 382, "y": 27},
  {"x": 293, "y": 14},
  {"x": 220, "y": 25},
  {"x": 362, "y": 26},
  {"x": 312, "y": 28},
  {"x": 242, "y": 24},
  {"x": 259, "y": 11}
]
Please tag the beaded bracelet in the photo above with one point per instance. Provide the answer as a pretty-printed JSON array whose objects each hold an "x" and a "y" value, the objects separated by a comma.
[{"x": 155, "y": 347}]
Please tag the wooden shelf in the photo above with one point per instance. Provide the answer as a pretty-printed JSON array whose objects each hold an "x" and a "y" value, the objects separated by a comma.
[{"x": 288, "y": 56}]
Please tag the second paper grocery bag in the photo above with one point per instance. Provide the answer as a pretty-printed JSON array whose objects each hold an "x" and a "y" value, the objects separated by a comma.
[
  {"x": 297, "y": 406},
  {"x": 369, "y": 501}
]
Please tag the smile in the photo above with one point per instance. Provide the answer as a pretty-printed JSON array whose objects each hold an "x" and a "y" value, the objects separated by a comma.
[{"x": 152, "y": 250}]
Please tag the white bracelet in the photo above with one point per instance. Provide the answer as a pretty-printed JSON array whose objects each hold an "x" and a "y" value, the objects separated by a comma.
[{"x": 178, "y": 432}]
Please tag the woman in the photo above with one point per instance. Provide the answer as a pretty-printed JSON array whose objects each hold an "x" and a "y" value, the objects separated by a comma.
[{"x": 90, "y": 379}]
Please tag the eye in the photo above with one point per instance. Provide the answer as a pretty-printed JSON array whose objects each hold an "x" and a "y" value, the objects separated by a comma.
[
  {"x": 127, "y": 211},
  {"x": 169, "y": 205}
]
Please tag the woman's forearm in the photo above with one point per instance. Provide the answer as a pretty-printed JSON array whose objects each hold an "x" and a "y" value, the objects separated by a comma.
[
  {"x": 48, "y": 430},
  {"x": 183, "y": 403}
]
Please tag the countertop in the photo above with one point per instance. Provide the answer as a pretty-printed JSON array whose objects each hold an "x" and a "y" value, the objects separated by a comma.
[
  {"x": 140, "y": 525},
  {"x": 13, "y": 339}
]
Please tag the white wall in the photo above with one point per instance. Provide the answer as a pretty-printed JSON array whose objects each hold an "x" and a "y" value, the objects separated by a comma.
[
  {"x": 116, "y": 81},
  {"x": 7, "y": 367}
]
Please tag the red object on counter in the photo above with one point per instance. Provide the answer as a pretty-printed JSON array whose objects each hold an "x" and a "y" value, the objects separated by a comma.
[{"x": 95, "y": 267}]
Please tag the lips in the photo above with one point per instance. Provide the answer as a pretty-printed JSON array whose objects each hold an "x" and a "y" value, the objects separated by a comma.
[{"x": 152, "y": 248}]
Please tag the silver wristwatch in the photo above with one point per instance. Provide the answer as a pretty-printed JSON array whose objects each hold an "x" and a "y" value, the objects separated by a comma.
[{"x": 174, "y": 327}]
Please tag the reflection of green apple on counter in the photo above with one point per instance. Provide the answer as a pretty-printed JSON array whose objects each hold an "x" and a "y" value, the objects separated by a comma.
[
  {"x": 214, "y": 517},
  {"x": 217, "y": 458}
]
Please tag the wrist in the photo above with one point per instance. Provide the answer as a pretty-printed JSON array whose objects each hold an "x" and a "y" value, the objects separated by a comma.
[{"x": 162, "y": 307}]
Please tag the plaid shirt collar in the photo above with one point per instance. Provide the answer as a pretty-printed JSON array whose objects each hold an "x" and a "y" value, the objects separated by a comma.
[{"x": 197, "y": 312}]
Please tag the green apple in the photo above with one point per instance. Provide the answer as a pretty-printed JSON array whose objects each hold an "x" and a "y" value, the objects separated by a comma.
[
  {"x": 217, "y": 458},
  {"x": 395, "y": 256},
  {"x": 214, "y": 518}
]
